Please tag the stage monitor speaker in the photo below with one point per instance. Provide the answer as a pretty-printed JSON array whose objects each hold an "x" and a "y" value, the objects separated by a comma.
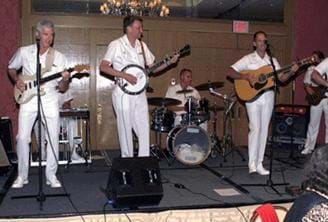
[
  {"x": 291, "y": 122},
  {"x": 4, "y": 162},
  {"x": 6, "y": 137},
  {"x": 135, "y": 182}
]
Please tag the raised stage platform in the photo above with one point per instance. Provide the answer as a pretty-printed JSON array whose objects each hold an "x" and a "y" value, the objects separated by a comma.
[{"x": 214, "y": 184}]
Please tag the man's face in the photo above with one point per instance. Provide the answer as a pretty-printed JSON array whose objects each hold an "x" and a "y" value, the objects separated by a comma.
[
  {"x": 260, "y": 42},
  {"x": 46, "y": 37},
  {"x": 135, "y": 29},
  {"x": 186, "y": 79}
]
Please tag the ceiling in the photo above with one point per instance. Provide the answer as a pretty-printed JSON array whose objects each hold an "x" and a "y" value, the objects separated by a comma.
[{"x": 252, "y": 10}]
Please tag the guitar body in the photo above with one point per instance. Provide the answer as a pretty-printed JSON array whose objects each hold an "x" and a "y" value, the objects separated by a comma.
[
  {"x": 30, "y": 90},
  {"x": 316, "y": 95},
  {"x": 246, "y": 91},
  {"x": 142, "y": 80}
]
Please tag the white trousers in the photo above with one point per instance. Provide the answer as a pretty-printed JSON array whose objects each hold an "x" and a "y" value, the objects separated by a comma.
[
  {"x": 68, "y": 127},
  {"x": 132, "y": 113},
  {"x": 314, "y": 124},
  {"x": 26, "y": 119},
  {"x": 259, "y": 114}
]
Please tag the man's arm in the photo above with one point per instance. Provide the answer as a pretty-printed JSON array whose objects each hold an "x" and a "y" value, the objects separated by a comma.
[
  {"x": 105, "y": 66},
  {"x": 173, "y": 60},
  {"x": 19, "y": 83},
  {"x": 64, "y": 83},
  {"x": 317, "y": 78}
]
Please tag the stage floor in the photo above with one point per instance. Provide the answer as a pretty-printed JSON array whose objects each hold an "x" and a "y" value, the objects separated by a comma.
[{"x": 200, "y": 183}]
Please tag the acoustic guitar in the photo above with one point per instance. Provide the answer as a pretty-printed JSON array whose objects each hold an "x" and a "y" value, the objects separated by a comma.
[{"x": 264, "y": 80}]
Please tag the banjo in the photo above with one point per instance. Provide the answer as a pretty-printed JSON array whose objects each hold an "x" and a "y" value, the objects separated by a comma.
[{"x": 142, "y": 74}]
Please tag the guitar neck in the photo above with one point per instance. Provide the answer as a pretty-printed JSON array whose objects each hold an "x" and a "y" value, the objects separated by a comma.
[
  {"x": 49, "y": 78},
  {"x": 54, "y": 76},
  {"x": 158, "y": 64},
  {"x": 286, "y": 68}
]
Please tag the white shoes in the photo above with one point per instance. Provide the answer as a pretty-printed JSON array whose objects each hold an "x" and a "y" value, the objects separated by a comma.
[
  {"x": 252, "y": 168},
  {"x": 306, "y": 151},
  {"x": 261, "y": 170},
  {"x": 19, "y": 182},
  {"x": 53, "y": 182}
]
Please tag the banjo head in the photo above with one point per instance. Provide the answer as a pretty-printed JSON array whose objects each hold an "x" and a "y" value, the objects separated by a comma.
[{"x": 142, "y": 80}]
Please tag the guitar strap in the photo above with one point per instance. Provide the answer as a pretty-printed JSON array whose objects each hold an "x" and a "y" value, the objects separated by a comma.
[
  {"x": 49, "y": 61},
  {"x": 143, "y": 54}
]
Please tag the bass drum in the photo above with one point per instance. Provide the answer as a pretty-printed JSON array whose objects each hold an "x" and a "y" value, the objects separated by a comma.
[{"x": 191, "y": 145}]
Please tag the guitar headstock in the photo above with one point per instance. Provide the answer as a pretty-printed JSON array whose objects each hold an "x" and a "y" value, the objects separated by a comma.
[
  {"x": 79, "y": 68},
  {"x": 309, "y": 60},
  {"x": 80, "y": 75},
  {"x": 186, "y": 49}
]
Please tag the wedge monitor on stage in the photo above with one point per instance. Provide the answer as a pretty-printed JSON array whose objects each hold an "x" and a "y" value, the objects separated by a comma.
[{"x": 135, "y": 182}]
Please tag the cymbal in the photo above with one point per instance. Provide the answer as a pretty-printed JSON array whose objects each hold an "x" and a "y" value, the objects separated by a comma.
[
  {"x": 216, "y": 108},
  {"x": 161, "y": 101},
  {"x": 183, "y": 91},
  {"x": 208, "y": 85}
]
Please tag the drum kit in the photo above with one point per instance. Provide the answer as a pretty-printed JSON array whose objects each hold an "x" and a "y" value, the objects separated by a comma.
[{"x": 188, "y": 142}]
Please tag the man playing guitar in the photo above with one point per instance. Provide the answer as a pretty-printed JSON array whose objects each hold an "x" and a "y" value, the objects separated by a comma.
[
  {"x": 260, "y": 110},
  {"x": 316, "y": 75},
  {"x": 25, "y": 58},
  {"x": 131, "y": 110}
]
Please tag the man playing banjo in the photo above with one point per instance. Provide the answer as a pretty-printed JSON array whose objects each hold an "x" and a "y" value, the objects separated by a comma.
[{"x": 131, "y": 110}]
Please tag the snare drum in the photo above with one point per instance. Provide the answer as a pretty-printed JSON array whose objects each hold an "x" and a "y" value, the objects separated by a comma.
[
  {"x": 191, "y": 145},
  {"x": 162, "y": 120}
]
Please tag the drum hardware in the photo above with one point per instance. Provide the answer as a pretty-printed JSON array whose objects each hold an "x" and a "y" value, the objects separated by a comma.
[
  {"x": 227, "y": 142},
  {"x": 156, "y": 148},
  {"x": 215, "y": 142},
  {"x": 160, "y": 101},
  {"x": 209, "y": 85},
  {"x": 162, "y": 121}
]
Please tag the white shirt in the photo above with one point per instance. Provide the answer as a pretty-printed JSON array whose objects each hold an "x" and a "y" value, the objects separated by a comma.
[
  {"x": 253, "y": 61},
  {"x": 120, "y": 53},
  {"x": 25, "y": 57},
  {"x": 307, "y": 77},
  {"x": 322, "y": 68},
  {"x": 183, "y": 97}
]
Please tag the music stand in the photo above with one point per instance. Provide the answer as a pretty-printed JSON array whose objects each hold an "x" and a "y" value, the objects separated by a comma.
[
  {"x": 41, "y": 196},
  {"x": 269, "y": 182}
]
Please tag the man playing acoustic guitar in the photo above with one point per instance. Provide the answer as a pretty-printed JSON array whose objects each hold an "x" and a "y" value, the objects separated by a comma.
[{"x": 259, "y": 110}]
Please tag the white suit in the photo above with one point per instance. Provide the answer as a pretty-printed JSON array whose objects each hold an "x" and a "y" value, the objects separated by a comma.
[
  {"x": 25, "y": 57},
  {"x": 131, "y": 110},
  {"x": 259, "y": 111}
]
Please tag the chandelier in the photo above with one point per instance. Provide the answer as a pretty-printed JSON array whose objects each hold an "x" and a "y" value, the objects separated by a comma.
[{"x": 135, "y": 7}]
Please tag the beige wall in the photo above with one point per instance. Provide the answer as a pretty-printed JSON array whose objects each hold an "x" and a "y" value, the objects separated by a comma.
[{"x": 83, "y": 39}]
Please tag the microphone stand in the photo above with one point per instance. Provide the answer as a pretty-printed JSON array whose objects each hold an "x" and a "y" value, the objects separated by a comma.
[
  {"x": 269, "y": 182},
  {"x": 40, "y": 197}
]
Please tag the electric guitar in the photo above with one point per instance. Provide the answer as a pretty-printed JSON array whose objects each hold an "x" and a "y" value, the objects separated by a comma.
[
  {"x": 31, "y": 84},
  {"x": 264, "y": 80},
  {"x": 142, "y": 74},
  {"x": 315, "y": 95}
]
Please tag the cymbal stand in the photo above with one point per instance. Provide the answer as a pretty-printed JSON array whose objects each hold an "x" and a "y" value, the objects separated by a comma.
[
  {"x": 227, "y": 142},
  {"x": 156, "y": 148},
  {"x": 215, "y": 142}
]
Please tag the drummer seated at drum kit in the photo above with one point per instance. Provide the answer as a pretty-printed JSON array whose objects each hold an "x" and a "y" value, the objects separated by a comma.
[{"x": 190, "y": 102}]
